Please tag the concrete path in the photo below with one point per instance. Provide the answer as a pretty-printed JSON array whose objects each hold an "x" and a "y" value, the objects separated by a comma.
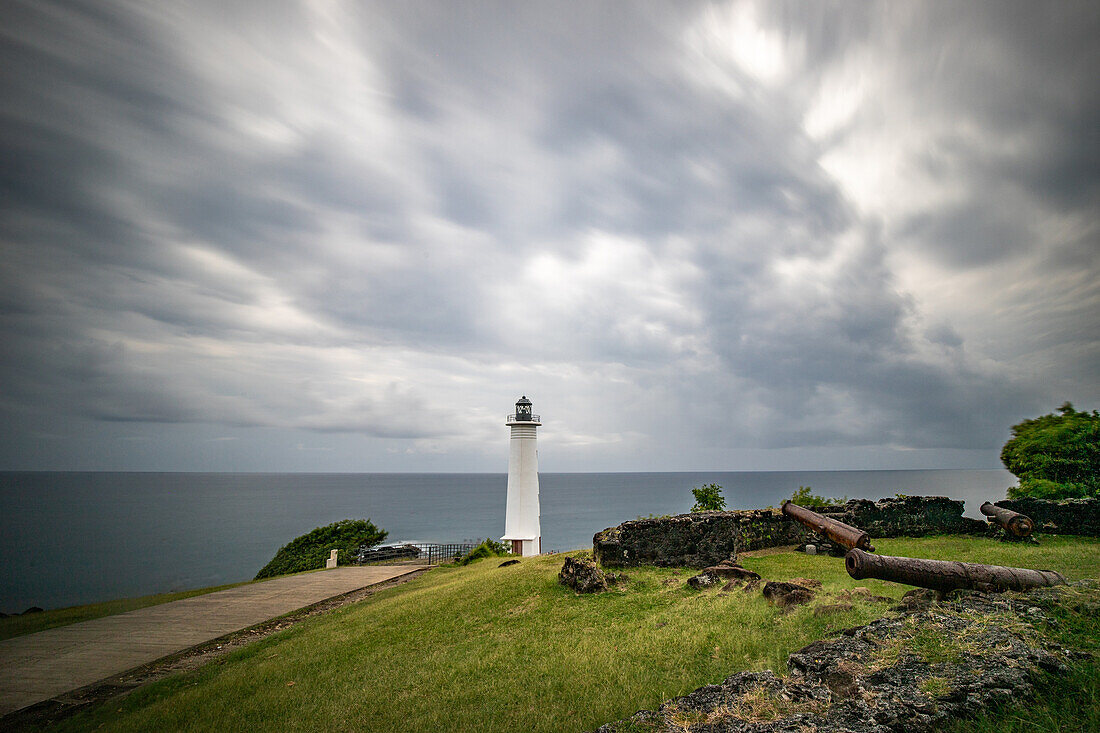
[{"x": 37, "y": 667}]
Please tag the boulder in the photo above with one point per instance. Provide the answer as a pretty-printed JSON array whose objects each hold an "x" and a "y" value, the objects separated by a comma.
[
  {"x": 786, "y": 595},
  {"x": 582, "y": 576}
]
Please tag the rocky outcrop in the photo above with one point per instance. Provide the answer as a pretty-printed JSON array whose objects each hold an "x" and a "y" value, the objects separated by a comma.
[
  {"x": 911, "y": 673},
  {"x": 1068, "y": 516},
  {"x": 582, "y": 576}
]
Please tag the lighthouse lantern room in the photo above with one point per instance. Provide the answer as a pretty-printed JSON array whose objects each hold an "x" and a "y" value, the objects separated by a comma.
[{"x": 521, "y": 524}]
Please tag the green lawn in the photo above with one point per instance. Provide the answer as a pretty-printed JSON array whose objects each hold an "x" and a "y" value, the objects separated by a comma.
[{"x": 507, "y": 649}]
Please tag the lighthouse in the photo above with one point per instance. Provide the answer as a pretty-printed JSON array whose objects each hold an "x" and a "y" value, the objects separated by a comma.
[{"x": 521, "y": 524}]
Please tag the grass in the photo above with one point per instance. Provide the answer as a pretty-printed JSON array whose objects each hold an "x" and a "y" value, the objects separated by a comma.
[{"x": 503, "y": 649}]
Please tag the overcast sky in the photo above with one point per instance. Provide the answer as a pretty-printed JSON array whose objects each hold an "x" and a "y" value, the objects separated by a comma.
[{"x": 344, "y": 236}]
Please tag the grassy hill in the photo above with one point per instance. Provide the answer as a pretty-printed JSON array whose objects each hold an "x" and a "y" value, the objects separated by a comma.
[{"x": 485, "y": 648}]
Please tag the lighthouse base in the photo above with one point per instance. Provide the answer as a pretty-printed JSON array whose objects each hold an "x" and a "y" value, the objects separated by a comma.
[{"x": 525, "y": 548}]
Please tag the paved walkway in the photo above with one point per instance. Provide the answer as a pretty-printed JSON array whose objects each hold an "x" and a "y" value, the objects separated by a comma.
[{"x": 37, "y": 667}]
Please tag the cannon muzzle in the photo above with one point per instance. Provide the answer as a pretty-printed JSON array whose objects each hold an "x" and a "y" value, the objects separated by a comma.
[
  {"x": 839, "y": 532},
  {"x": 1012, "y": 522},
  {"x": 945, "y": 575}
]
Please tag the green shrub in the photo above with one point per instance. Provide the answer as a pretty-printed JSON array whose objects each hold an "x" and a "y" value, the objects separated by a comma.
[
  {"x": 806, "y": 498},
  {"x": 1055, "y": 456},
  {"x": 310, "y": 551},
  {"x": 708, "y": 498},
  {"x": 488, "y": 548}
]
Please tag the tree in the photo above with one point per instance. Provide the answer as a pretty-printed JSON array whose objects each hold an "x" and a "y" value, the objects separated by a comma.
[
  {"x": 310, "y": 551},
  {"x": 708, "y": 498},
  {"x": 1055, "y": 456},
  {"x": 805, "y": 497}
]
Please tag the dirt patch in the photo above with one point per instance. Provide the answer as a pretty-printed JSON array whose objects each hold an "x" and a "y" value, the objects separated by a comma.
[
  {"x": 58, "y": 708},
  {"x": 768, "y": 551}
]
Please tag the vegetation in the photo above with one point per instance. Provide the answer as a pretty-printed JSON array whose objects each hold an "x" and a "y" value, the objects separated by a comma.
[
  {"x": 310, "y": 551},
  {"x": 488, "y": 548},
  {"x": 503, "y": 649},
  {"x": 806, "y": 498},
  {"x": 1055, "y": 456},
  {"x": 708, "y": 498}
]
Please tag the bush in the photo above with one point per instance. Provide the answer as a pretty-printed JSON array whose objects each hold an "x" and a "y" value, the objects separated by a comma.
[
  {"x": 708, "y": 498},
  {"x": 310, "y": 551},
  {"x": 488, "y": 548},
  {"x": 805, "y": 498},
  {"x": 1055, "y": 456}
]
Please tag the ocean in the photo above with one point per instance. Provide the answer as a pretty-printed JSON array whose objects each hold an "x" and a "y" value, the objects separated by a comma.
[{"x": 75, "y": 538}]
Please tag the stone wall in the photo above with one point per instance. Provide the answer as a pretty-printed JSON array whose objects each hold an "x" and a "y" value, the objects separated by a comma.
[
  {"x": 907, "y": 516},
  {"x": 706, "y": 538},
  {"x": 687, "y": 540},
  {"x": 1068, "y": 516}
]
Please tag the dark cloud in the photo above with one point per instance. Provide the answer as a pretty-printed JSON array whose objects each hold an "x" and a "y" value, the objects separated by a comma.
[{"x": 332, "y": 221}]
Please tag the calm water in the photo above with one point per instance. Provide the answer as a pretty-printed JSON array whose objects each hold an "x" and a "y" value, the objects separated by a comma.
[{"x": 73, "y": 538}]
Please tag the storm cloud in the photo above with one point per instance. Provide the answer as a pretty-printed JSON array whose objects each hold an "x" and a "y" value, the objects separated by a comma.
[{"x": 347, "y": 236}]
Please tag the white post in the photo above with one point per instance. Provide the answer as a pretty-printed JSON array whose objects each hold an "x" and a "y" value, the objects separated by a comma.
[
  {"x": 522, "y": 528},
  {"x": 331, "y": 562}
]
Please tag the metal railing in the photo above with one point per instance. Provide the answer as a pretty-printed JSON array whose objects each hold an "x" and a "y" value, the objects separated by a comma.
[
  {"x": 431, "y": 553},
  {"x": 523, "y": 418}
]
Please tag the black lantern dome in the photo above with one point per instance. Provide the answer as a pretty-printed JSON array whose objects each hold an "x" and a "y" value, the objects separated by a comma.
[{"x": 523, "y": 409}]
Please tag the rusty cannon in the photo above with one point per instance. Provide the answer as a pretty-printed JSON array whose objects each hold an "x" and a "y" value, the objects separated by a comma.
[
  {"x": 945, "y": 575},
  {"x": 838, "y": 532},
  {"x": 1012, "y": 522}
]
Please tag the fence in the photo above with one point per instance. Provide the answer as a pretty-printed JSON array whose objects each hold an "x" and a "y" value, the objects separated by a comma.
[{"x": 429, "y": 552}]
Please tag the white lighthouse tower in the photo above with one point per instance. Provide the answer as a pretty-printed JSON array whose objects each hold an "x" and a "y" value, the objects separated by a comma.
[{"x": 521, "y": 524}]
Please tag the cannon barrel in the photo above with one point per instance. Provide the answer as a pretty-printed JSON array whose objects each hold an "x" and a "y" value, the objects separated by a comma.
[
  {"x": 1012, "y": 522},
  {"x": 946, "y": 575},
  {"x": 839, "y": 532}
]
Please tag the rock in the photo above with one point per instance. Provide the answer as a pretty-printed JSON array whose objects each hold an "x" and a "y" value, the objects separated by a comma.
[
  {"x": 32, "y": 609},
  {"x": 702, "y": 580},
  {"x": 751, "y": 586},
  {"x": 918, "y": 598},
  {"x": 506, "y": 563},
  {"x": 810, "y": 549},
  {"x": 731, "y": 571},
  {"x": 582, "y": 576},
  {"x": 810, "y": 583},
  {"x": 727, "y": 570},
  {"x": 831, "y": 608},
  {"x": 785, "y": 595}
]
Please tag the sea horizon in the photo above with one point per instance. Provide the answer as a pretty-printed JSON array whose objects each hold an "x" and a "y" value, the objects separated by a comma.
[{"x": 75, "y": 537}]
